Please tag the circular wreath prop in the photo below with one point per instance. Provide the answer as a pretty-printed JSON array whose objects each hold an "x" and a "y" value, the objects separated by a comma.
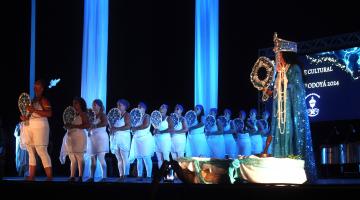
[{"x": 262, "y": 73}]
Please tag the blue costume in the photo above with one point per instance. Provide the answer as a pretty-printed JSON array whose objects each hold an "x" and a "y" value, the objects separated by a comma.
[{"x": 296, "y": 139}]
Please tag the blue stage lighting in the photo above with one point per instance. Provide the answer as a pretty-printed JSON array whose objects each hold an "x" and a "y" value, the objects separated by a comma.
[{"x": 206, "y": 53}]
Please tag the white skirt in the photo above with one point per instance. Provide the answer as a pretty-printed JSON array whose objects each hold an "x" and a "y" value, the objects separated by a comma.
[
  {"x": 217, "y": 146},
  {"x": 196, "y": 144},
  {"x": 256, "y": 144},
  {"x": 178, "y": 143},
  {"x": 120, "y": 140},
  {"x": 163, "y": 143},
  {"x": 230, "y": 145},
  {"x": 74, "y": 141},
  {"x": 142, "y": 145},
  {"x": 244, "y": 144},
  {"x": 37, "y": 132},
  {"x": 99, "y": 141}
]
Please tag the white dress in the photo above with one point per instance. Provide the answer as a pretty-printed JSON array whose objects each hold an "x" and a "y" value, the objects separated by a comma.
[
  {"x": 216, "y": 144},
  {"x": 74, "y": 141},
  {"x": 230, "y": 144},
  {"x": 120, "y": 140},
  {"x": 178, "y": 140},
  {"x": 38, "y": 129},
  {"x": 196, "y": 144},
  {"x": 142, "y": 144},
  {"x": 99, "y": 140},
  {"x": 163, "y": 140},
  {"x": 244, "y": 143},
  {"x": 256, "y": 141}
]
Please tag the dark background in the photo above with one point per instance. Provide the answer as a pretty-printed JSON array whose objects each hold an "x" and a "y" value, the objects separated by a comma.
[{"x": 151, "y": 53}]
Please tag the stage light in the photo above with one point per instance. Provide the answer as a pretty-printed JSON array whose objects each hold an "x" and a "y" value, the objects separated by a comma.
[
  {"x": 206, "y": 53},
  {"x": 94, "y": 60},
  {"x": 32, "y": 48},
  {"x": 94, "y": 53},
  {"x": 53, "y": 82}
]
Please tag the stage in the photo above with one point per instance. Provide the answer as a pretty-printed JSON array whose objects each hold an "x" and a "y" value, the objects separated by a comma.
[{"x": 136, "y": 188}]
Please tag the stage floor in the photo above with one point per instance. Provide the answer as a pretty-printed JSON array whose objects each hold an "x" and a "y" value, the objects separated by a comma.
[
  {"x": 143, "y": 189},
  {"x": 135, "y": 180}
]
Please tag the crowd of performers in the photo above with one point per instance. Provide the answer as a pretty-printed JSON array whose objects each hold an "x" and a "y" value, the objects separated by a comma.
[{"x": 222, "y": 140}]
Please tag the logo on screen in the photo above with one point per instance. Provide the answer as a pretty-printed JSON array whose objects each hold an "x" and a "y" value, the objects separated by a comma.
[{"x": 311, "y": 100}]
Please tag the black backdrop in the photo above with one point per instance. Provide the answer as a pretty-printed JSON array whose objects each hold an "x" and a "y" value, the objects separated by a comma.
[{"x": 151, "y": 51}]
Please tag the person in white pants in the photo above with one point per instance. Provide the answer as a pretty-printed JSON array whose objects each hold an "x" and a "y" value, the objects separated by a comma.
[
  {"x": 37, "y": 139},
  {"x": 120, "y": 138}
]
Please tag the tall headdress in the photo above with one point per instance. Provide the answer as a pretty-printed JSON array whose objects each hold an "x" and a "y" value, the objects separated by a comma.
[{"x": 284, "y": 45}]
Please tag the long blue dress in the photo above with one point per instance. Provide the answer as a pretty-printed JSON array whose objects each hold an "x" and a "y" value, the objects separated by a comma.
[{"x": 296, "y": 140}]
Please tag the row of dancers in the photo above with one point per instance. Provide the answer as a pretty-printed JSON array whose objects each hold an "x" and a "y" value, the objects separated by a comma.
[
  {"x": 130, "y": 143},
  {"x": 222, "y": 140}
]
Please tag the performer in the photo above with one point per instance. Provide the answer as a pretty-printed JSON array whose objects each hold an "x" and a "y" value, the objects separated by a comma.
[
  {"x": 290, "y": 126},
  {"x": 264, "y": 130},
  {"x": 37, "y": 139},
  {"x": 255, "y": 136},
  {"x": 143, "y": 144},
  {"x": 162, "y": 137},
  {"x": 75, "y": 140},
  {"x": 99, "y": 140},
  {"x": 120, "y": 138},
  {"x": 215, "y": 138},
  {"x": 243, "y": 137},
  {"x": 196, "y": 145},
  {"x": 178, "y": 134},
  {"x": 230, "y": 144},
  {"x": 21, "y": 155}
]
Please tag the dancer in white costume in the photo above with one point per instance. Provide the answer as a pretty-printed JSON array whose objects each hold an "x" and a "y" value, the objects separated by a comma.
[
  {"x": 230, "y": 143},
  {"x": 255, "y": 136},
  {"x": 143, "y": 144},
  {"x": 21, "y": 154},
  {"x": 178, "y": 134},
  {"x": 264, "y": 130},
  {"x": 162, "y": 137},
  {"x": 215, "y": 138},
  {"x": 37, "y": 139},
  {"x": 243, "y": 138},
  {"x": 120, "y": 139},
  {"x": 99, "y": 140},
  {"x": 196, "y": 144},
  {"x": 75, "y": 140}
]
